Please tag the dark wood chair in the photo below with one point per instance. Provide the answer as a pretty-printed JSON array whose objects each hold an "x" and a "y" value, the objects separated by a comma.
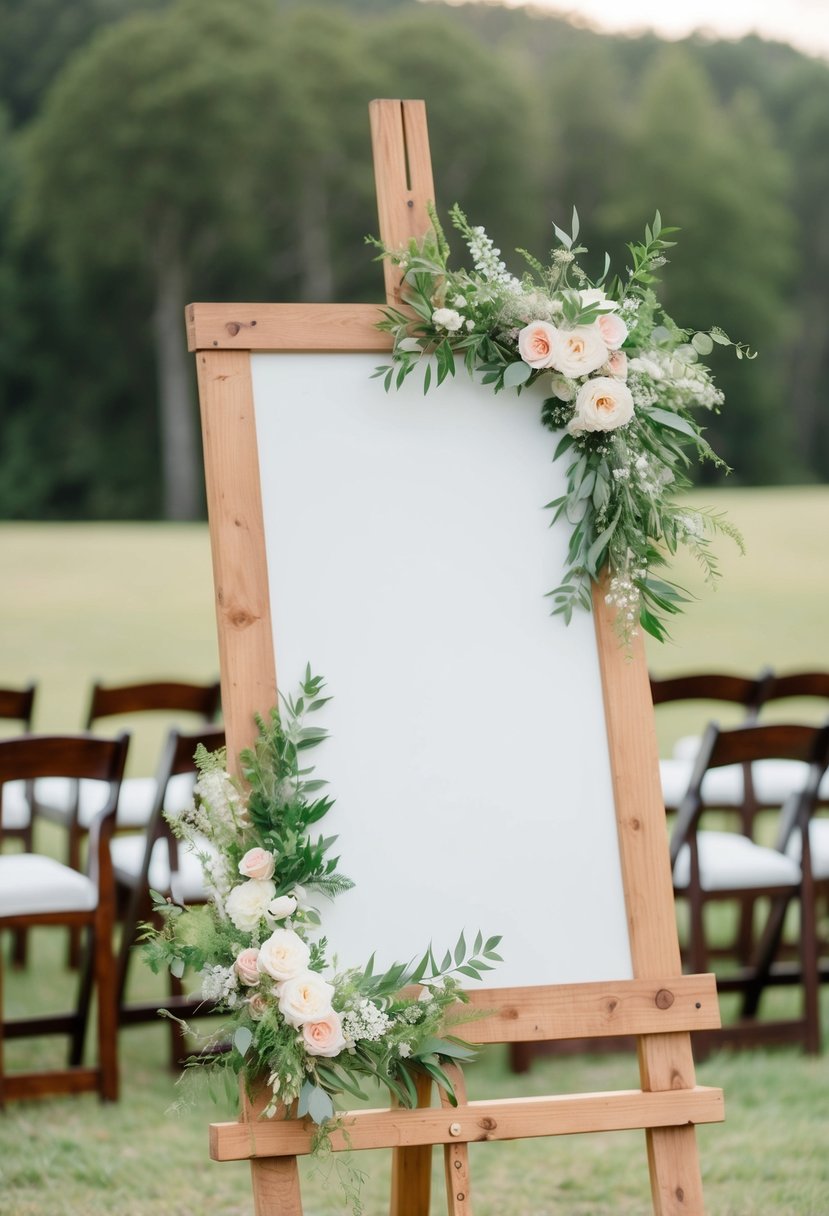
[
  {"x": 37, "y": 890},
  {"x": 156, "y": 860},
  {"x": 719, "y": 865},
  {"x": 74, "y": 805},
  {"x": 17, "y": 705}
]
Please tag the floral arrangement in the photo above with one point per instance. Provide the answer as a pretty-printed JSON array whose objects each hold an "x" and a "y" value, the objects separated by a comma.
[
  {"x": 622, "y": 378},
  {"x": 307, "y": 1033}
]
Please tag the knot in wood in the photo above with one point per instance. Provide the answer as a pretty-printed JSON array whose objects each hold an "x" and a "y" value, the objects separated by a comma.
[
  {"x": 488, "y": 1124},
  {"x": 664, "y": 999},
  {"x": 233, "y": 328}
]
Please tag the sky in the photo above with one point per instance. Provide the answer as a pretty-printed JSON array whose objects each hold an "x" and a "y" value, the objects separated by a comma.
[{"x": 803, "y": 23}]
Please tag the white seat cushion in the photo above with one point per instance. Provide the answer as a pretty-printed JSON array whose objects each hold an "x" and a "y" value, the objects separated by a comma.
[
  {"x": 30, "y": 883},
  {"x": 728, "y": 861},
  {"x": 686, "y": 747},
  {"x": 818, "y": 845},
  {"x": 15, "y": 808},
  {"x": 128, "y": 857},
  {"x": 135, "y": 801},
  {"x": 721, "y": 786}
]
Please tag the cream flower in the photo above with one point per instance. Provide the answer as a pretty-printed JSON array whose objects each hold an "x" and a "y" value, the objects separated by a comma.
[
  {"x": 535, "y": 343},
  {"x": 246, "y": 904},
  {"x": 283, "y": 955},
  {"x": 278, "y": 909},
  {"x": 595, "y": 295},
  {"x": 448, "y": 319},
  {"x": 324, "y": 1037},
  {"x": 602, "y": 404},
  {"x": 562, "y": 388},
  {"x": 257, "y": 863},
  {"x": 305, "y": 998},
  {"x": 617, "y": 365},
  {"x": 577, "y": 352}
]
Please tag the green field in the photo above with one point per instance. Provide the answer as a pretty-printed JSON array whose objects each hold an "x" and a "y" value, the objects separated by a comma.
[{"x": 123, "y": 602}]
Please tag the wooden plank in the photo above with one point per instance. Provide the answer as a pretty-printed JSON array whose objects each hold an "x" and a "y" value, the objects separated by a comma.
[
  {"x": 569, "y": 1011},
  {"x": 240, "y": 573},
  {"x": 287, "y": 327},
  {"x": 475, "y": 1122},
  {"x": 411, "y": 1168},
  {"x": 665, "y": 1060},
  {"x": 30, "y": 1085},
  {"x": 403, "y": 177},
  {"x": 455, "y": 1153}
]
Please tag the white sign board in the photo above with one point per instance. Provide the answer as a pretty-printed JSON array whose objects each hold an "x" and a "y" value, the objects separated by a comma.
[{"x": 408, "y": 554}]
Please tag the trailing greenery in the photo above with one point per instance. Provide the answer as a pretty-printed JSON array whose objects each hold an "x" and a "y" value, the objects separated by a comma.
[{"x": 623, "y": 381}]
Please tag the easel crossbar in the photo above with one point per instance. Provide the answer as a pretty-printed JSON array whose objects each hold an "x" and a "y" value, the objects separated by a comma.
[{"x": 504, "y": 1119}]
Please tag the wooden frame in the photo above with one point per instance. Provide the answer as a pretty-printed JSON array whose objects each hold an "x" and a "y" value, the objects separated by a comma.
[{"x": 659, "y": 1005}]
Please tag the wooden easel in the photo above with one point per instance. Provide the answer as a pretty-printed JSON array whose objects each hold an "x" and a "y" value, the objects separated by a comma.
[{"x": 659, "y": 1005}]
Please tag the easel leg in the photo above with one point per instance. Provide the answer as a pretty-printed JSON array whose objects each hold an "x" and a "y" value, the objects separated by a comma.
[
  {"x": 666, "y": 1062},
  {"x": 411, "y": 1170},
  {"x": 456, "y": 1156},
  {"x": 276, "y": 1187}
]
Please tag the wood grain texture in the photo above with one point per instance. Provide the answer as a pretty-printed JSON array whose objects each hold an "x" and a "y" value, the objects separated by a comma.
[
  {"x": 504, "y": 1119},
  {"x": 403, "y": 177},
  {"x": 665, "y": 1060},
  {"x": 571, "y": 1011},
  {"x": 240, "y": 572},
  {"x": 286, "y": 327},
  {"x": 411, "y": 1168}
]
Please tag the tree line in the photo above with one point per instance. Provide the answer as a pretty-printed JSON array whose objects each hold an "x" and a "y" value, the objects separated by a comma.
[{"x": 154, "y": 152}]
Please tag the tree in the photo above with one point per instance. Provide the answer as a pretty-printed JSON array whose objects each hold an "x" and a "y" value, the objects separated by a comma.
[{"x": 147, "y": 145}]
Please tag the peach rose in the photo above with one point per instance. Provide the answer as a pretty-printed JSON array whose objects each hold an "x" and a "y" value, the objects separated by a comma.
[
  {"x": 246, "y": 967},
  {"x": 578, "y": 352},
  {"x": 602, "y": 404},
  {"x": 258, "y": 864},
  {"x": 613, "y": 330},
  {"x": 617, "y": 364},
  {"x": 324, "y": 1037},
  {"x": 305, "y": 998},
  {"x": 535, "y": 343}
]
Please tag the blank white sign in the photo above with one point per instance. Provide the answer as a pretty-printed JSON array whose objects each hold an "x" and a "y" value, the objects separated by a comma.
[{"x": 408, "y": 556}]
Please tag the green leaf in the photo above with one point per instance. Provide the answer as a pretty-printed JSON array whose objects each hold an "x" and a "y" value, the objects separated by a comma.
[
  {"x": 516, "y": 374},
  {"x": 460, "y": 949},
  {"x": 702, "y": 343},
  {"x": 242, "y": 1039},
  {"x": 674, "y": 421}
]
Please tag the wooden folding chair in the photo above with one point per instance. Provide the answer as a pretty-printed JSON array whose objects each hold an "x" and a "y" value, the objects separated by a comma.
[
  {"x": 718, "y": 865},
  {"x": 37, "y": 890},
  {"x": 156, "y": 860},
  {"x": 17, "y": 705},
  {"x": 74, "y": 805}
]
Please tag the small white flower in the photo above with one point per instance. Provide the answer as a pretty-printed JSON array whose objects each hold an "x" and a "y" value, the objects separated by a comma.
[{"x": 448, "y": 319}]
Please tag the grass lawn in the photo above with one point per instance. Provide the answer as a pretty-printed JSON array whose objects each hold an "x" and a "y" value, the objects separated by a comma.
[{"x": 123, "y": 602}]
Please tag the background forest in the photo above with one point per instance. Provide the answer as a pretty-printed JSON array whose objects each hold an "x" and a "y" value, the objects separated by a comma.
[{"x": 154, "y": 152}]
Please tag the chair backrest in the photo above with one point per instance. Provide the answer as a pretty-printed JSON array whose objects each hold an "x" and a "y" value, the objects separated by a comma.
[
  {"x": 174, "y": 696},
  {"x": 746, "y": 691},
  {"x": 17, "y": 705},
  {"x": 752, "y": 744},
  {"x": 81, "y": 756},
  {"x": 177, "y": 758},
  {"x": 802, "y": 686}
]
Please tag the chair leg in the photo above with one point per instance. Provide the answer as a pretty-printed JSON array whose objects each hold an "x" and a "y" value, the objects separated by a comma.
[
  {"x": 105, "y": 982},
  {"x": 767, "y": 948},
  {"x": 809, "y": 963},
  {"x": 86, "y": 983},
  {"x": 73, "y": 860},
  {"x": 178, "y": 1039}
]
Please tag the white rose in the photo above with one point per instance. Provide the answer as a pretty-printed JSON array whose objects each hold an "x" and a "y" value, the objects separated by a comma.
[
  {"x": 305, "y": 998},
  {"x": 284, "y": 954},
  {"x": 279, "y": 908},
  {"x": 247, "y": 903},
  {"x": 602, "y": 404},
  {"x": 447, "y": 319},
  {"x": 595, "y": 295},
  {"x": 577, "y": 352},
  {"x": 562, "y": 388}
]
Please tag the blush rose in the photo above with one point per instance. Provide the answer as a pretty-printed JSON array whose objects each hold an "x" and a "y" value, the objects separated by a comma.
[
  {"x": 602, "y": 404},
  {"x": 535, "y": 343},
  {"x": 257, "y": 863},
  {"x": 324, "y": 1037},
  {"x": 246, "y": 967},
  {"x": 612, "y": 329}
]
